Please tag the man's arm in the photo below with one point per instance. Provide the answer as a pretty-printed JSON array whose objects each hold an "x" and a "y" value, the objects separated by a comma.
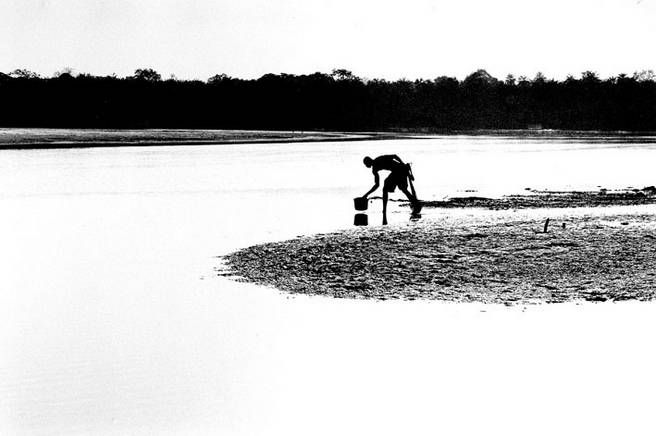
[{"x": 376, "y": 185}]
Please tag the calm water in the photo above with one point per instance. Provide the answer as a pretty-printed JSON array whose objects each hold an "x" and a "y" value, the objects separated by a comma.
[{"x": 111, "y": 321}]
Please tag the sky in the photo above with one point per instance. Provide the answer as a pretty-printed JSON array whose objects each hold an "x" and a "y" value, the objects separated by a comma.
[{"x": 195, "y": 39}]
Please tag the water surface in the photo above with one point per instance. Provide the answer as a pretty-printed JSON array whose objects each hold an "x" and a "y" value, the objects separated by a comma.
[{"x": 111, "y": 321}]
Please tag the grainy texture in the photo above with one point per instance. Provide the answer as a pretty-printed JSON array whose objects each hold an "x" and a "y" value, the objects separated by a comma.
[{"x": 501, "y": 261}]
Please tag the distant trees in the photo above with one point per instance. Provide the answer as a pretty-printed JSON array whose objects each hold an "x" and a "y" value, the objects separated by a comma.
[
  {"x": 336, "y": 101},
  {"x": 342, "y": 74},
  {"x": 644, "y": 76},
  {"x": 480, "y": 78},
  {"x": 218, "y": 78},
  {"x": 66, "y": 72},
  {"x": 147, "y": 74},
  {"x": 23, "y": 74}
]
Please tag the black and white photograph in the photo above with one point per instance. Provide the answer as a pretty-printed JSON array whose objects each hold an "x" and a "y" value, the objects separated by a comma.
[{"x": 327, "y": 217}]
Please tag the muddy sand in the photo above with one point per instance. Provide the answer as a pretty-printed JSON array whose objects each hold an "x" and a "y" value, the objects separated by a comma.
[
  {"x": 492, "y": 257},
  {"x": 554, "y": 199}
]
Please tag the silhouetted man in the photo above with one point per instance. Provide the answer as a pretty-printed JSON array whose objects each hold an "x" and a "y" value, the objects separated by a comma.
[{"x": 399, "y": 174}]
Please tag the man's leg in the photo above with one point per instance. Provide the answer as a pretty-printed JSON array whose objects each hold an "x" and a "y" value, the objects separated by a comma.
[
  {"x": 407, "y": 193},
  {"x": 414, "y": 202}
]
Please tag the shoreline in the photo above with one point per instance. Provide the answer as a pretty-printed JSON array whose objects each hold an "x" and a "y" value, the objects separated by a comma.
[
  {"x": 66, "y": 138},
  {"x": 542, "y": 199},
  {"x": 26, "y": 139}
]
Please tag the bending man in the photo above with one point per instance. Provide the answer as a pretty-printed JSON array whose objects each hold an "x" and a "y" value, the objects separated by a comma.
[{"x": 399, "y": 174}]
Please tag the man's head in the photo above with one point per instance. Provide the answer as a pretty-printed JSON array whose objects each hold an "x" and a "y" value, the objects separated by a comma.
[{"x": 368, "y": 162}]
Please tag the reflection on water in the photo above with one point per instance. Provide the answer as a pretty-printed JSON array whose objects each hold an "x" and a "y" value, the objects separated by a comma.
[
  {"x": 111, "y": 321},
  {"x": 361, "y": 219}
]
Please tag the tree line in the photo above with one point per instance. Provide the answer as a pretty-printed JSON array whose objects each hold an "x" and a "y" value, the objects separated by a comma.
[{"x": 335, "y": 101}]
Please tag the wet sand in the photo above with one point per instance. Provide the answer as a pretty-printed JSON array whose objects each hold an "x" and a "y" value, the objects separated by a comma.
[
  {"x": 495, "y": 257},
  {"x": 554, "y": 199}
]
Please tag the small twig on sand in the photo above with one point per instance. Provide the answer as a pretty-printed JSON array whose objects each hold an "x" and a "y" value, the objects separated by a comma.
[{"x": 546, "y": 225}]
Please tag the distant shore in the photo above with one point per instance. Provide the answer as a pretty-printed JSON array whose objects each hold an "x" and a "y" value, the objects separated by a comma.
[
  {"x": 28, "y": 138},
  {"x": 52, "y": 138}
]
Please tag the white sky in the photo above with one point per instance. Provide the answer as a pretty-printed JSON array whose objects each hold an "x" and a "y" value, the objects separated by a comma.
[{"x": 373, "y": 38}]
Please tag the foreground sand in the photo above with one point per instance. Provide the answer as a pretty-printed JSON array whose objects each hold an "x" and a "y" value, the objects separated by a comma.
[{"x": 497, "y": 257}]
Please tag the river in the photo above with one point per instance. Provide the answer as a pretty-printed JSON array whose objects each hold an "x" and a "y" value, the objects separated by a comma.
[{"x": 113, "y": 321}]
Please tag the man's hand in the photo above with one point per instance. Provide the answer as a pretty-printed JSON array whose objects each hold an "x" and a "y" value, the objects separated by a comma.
[{"x": 376, "y": 185}]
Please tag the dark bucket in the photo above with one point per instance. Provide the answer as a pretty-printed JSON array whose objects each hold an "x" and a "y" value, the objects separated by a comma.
[
  {"x": 360, "y": 219},
  {"x": 361, "y": 203}
]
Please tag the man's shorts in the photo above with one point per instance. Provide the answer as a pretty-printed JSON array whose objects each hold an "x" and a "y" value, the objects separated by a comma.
[{"x": 396, "y": 178}]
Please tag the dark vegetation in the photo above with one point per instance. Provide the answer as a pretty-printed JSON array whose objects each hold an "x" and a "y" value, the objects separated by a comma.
[{"x": 336, "y": 101}]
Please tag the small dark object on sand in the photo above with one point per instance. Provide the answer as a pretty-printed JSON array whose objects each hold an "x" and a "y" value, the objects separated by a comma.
[{"x": 546, "y": 226}]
